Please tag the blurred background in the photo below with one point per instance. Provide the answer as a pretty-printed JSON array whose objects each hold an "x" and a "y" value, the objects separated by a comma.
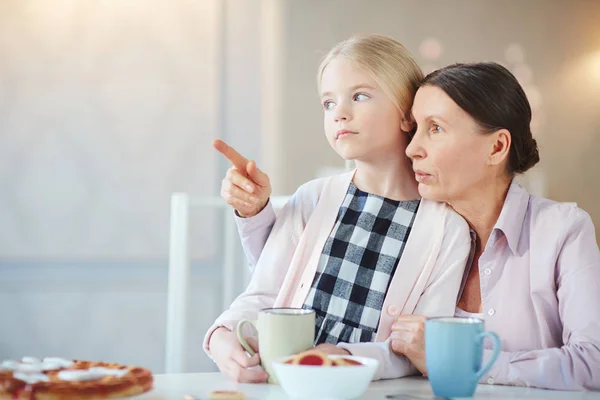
[{"x": 108, "y": 107}]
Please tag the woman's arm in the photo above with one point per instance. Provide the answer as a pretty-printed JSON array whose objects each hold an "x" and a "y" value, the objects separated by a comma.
[{"x": 575, "y": 365}]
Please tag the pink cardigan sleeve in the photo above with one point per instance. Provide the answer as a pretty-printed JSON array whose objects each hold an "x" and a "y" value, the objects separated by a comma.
[
  {"x": 391, "y": 365},
  {"x": 575, "y": 365},
  {"x": 254, "y": 232}
]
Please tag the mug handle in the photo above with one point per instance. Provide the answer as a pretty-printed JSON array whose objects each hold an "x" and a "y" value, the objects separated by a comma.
[
  {"x": 243, "y": 342},
  {"x": 495, "y": 352}
]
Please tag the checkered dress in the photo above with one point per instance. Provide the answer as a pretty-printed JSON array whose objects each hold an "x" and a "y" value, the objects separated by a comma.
[{"x": 356, "y": 266}]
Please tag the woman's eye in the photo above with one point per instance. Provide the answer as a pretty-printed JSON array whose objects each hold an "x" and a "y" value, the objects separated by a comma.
[
  {"x": 435, "y": 128},
  {"x": 328, "y": 105}
]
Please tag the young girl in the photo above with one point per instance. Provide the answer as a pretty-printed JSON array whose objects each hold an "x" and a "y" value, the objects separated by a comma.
[{"x": 359, "y": 248}]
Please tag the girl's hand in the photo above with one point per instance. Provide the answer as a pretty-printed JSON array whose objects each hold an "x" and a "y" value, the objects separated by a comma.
[
  {"x": 232, "y": 359},
  {"x": 245, "y": 187}
]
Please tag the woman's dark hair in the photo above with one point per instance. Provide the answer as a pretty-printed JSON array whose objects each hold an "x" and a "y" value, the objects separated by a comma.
[{"x": 493, "y": 97}]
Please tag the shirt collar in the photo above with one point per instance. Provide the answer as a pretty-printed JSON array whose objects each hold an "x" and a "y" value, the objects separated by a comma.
[{"x": 512, "y": 217}]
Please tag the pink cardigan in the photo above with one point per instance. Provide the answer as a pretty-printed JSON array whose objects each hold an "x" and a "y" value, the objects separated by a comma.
[{"x": 427, "y": 279}]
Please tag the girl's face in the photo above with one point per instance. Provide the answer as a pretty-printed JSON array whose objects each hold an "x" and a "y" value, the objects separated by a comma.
[{"x": 361, "y": 122}]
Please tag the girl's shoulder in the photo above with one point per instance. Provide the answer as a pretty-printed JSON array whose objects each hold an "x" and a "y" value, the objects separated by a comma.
[
  {"x": 441, "y": 212},
  {"x": 311, "y": 191}
]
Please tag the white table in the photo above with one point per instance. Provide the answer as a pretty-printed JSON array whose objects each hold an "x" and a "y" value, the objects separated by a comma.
[{"x": 175, "y": 386}]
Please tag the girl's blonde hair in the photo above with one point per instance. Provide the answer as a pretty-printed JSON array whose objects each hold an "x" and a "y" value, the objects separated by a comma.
[{"x": 386, "y": 61}]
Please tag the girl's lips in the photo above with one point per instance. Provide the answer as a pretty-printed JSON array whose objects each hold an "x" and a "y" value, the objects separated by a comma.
[{"x": 343, "y": 133}]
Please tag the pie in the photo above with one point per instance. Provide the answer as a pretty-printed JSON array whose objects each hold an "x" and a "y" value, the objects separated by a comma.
[{"x": 55, "y": 378}]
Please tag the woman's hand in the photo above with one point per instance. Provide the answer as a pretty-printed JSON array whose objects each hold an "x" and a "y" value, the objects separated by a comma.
[
  {"x": 408, "y": 339},
  {"x": 245, "y": 188},
  {"x": 232, "y": 359}
]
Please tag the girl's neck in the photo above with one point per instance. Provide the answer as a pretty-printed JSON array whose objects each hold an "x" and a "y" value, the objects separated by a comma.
[{"x": 392, "y": 178}]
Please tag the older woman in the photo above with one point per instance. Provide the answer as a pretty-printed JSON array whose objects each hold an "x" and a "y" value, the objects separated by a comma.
[{"x": 534, "y": 269}]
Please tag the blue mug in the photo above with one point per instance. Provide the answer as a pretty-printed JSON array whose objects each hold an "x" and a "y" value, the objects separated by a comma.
[{"x": 454, "y": 352}]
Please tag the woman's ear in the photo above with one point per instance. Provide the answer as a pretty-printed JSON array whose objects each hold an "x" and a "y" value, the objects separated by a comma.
[{"x": 499, "y": 146}]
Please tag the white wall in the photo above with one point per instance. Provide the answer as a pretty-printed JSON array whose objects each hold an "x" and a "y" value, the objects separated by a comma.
[{"x": 106, "y": 108}]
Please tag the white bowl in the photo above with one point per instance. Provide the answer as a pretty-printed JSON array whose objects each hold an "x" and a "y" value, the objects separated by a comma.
[{"x": 325, "y": 383}]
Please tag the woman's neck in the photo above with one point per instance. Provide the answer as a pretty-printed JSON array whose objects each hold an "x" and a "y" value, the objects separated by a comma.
[
  {"x": 481, "y": 208},
  {"x": 392, "y": 178}
]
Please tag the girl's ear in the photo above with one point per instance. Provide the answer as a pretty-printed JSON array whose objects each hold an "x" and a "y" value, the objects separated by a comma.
[{"x": 407, "y": 124}]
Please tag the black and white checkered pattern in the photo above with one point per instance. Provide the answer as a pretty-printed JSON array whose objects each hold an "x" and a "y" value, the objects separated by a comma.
[{"x": 355, "y": 269}]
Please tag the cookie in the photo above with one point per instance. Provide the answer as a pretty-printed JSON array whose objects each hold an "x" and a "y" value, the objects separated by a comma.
[{"x": 226, "y": 395}]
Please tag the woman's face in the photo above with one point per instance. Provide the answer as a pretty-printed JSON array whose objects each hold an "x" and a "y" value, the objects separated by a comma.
[{"x": 451, "y": 157}]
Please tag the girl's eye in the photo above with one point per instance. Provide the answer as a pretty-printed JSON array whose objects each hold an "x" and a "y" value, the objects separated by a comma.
[
  {"x": 328, "y": 105},
  {"x": 360, "y": 97}
]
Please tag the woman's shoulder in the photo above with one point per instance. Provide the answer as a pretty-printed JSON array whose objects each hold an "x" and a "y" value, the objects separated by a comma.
[
  {"x": 562, "y": 226},
  {"x": 565, "y": 232},
  {"x": 561, "y": 214}
]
